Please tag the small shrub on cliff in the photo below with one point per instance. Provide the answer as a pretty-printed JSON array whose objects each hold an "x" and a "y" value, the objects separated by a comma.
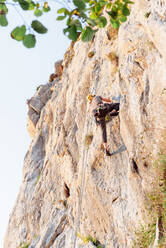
[
  {"x": 24, "y": 245},
  {"x": 88, "y": 239},
  {"x": 95, "y": 242},
  {"x": 145, "y": 236},
  {"x": 156, "y": 206},
  {"x": 83, "y": 18}
]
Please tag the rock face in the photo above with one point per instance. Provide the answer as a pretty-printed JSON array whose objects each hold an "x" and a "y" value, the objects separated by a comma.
[{"x": 70, "y": 189}]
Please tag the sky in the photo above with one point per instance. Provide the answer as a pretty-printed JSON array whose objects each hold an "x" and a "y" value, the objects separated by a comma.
[{"x": 21, "y": 71}]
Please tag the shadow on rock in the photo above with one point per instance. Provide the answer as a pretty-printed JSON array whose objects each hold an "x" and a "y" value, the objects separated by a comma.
[{"x": 121, "y": 149}]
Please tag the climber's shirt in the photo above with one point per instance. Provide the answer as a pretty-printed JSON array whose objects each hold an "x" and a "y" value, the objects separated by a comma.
[{"x": 96, "y": 107}]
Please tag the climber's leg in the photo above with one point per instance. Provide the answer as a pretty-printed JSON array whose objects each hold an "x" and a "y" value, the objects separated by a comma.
[
  {"x": 104, "y": 136},
  {"x": 104, "y": 131}
]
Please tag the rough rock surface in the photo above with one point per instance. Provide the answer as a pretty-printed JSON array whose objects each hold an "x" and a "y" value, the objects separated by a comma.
[{"x": 71, "y": 187}]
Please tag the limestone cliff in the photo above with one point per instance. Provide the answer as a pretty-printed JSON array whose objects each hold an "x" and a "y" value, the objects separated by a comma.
[{"x": 70, "y": 190}]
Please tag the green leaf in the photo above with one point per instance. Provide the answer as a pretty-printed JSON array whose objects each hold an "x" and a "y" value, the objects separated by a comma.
[
  {"x": 60, "y": 18},
  {"x": 73, "y": 35},
  {"x": 128, "y": 2},
  {"x": 63, "y": 10},
  {"x": 115, "y": 24},
  {"x": 18, "y": 33},
  {"x": 93, "y": 16},
  {"x": 123, "y": 18},
  {"x": 32, "y": 5},
  {"x": 98, "y": 8},
  {"x": 102, "y": 21},
  {"x": 24, "y": 4},
  {"x": 29, "y": 41},
  {"x": 65, "y": 30},
  {"x": 108, "y": 5},
  {"x": 38, "y": 12},
  {"x": 46, "y": 9},
  {"x": 91, "y": 22},
  {"x": 3, "y": 9},
  {"x": 3, "y": 20},
  {"x": 125, "y": 11},
  {"x": 91, "y": 3},
  {"x": 79, "y": 4},
  {"x": 39, "y": 27},
  {"x": 113, "y": 13},
  {"x": 87, "y": 34},
  {"x": 78, "y": 25},
  {"x": 69, "y": 21},
  {"x": 114, "y": 8},
  {"x": 119, "y": 4},
  {"x": 103, "y": 3}
]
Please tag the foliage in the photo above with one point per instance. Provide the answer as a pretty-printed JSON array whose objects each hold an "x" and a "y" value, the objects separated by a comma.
[
  {"x": 156, "y": 206},
  {"x": 83, "y": 17},
  {"x": 145, "y": 236},
  {"x": 93, "y": 240},
  {"x": 87, "y": 17},
  {"x": 29, "y": 40},
  {"x": 24, "y": 245},
  {"x": 25, "y": 33}
]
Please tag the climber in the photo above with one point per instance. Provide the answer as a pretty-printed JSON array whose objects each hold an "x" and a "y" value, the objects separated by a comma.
[{"x": 100, "y": 111}]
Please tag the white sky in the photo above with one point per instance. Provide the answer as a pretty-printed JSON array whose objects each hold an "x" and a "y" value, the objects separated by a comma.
[{"x": 21, "y": 71}]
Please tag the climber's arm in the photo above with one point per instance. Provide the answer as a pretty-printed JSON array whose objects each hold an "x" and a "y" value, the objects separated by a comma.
[{"x": 105, "y": 99}]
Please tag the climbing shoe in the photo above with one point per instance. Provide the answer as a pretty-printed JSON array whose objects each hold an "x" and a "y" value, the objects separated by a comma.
[{"x": 107, "y": 153}]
